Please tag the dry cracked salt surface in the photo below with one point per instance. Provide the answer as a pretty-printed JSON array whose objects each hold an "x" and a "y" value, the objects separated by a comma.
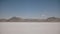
[{"x": 29, "y": 28}]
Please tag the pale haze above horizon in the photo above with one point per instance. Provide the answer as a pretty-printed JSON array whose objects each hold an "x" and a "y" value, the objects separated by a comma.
[{"x": 29, "y": 8}]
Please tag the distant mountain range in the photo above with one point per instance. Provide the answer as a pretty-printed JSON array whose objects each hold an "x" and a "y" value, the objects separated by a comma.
[{"x": 17, "y": 19}]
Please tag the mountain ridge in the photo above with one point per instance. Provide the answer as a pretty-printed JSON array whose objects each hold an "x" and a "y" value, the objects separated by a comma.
[{"x": 17, "y": 19}]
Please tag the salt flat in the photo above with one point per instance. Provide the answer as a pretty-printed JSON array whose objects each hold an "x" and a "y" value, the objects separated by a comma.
[{"x": 29, "y": 28}]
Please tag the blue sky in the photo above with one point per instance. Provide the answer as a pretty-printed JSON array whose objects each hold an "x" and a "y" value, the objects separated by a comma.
[{"x": 29, "y": 8}]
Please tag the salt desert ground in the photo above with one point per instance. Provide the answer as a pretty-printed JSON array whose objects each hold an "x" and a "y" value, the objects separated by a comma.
[{"x": 29, "y": 28}]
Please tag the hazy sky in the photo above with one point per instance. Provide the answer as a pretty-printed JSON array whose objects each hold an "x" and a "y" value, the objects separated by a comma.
[{"x": 29, "y": 8}]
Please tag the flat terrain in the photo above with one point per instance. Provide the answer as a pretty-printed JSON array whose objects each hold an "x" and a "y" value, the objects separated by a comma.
[{"x": 29, "y": 28}]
